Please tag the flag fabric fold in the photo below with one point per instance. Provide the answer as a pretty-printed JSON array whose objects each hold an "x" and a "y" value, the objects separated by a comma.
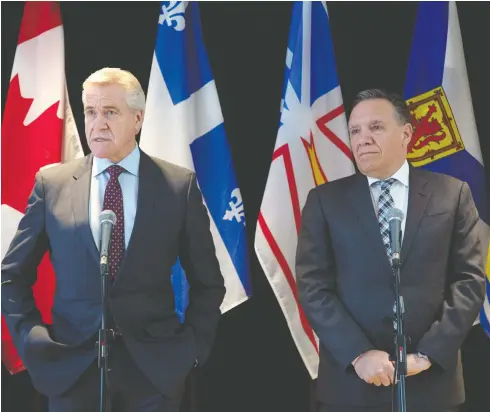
[
  {"x": 184, "y": 125},
  {"x": 38, "y": 131},
  {"x": 312, "y": 148},
  {"x": 438, "y": 95}
]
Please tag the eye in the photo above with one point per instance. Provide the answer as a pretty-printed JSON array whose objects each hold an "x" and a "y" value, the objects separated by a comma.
[
  {"x": 354, "y": 131},
  {"x": 90, "y": 113},
  {"x": 111, "y": 112}
]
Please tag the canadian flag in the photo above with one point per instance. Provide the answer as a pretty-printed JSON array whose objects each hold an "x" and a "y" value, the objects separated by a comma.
[
  {"x": 312, "y": 148},
  {"x": 38, "y": 130}
]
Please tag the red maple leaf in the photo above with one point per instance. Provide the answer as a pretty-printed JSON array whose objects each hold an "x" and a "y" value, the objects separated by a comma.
[{"x": 25, "y": 149}]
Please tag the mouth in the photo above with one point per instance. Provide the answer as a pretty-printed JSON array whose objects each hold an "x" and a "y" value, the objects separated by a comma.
[
  {"x": 367, "y": 154},
  {"x": 100, "y": 140}
]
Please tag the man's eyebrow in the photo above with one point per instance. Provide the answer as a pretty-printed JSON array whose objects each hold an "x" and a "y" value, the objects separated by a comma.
[{"x": 105, "y": 106}]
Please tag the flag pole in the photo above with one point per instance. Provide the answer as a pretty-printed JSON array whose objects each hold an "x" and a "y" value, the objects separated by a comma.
[
  {"x": 189, "y": 401},
  {"x": 192, "y": 384},
  {"x": 313, "y": 400}
]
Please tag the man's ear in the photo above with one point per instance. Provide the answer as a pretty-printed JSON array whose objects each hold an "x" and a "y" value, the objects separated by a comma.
[
  {"x": 407, "y": 134},
  {"x": 140, "y": 115}
]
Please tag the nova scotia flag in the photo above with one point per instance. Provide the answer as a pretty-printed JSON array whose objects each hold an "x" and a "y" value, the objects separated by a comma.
[
  {"x": 438, "y": 95},
  {"x": 184, "y": 125}
]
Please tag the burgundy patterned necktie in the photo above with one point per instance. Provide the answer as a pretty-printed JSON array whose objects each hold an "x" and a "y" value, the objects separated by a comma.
[{"x": 113, "y": 200}]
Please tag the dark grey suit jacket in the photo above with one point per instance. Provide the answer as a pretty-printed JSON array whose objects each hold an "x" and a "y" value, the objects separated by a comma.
[
  {"x": 171, "y": 222},
  {"x": 345, "y": 285}
]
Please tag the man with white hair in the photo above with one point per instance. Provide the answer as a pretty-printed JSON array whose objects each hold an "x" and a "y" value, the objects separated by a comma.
[{"x": 160, "y": 218}]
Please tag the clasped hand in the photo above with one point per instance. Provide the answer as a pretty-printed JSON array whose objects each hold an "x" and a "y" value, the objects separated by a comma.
[{"x": 375, "y": 367}]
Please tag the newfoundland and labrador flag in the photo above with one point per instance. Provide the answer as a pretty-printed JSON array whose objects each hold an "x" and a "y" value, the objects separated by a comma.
[
  {"x": 438, "y": 95},
  {"x": 312, "y": 148},
  {"x": 184, "y": 125}
]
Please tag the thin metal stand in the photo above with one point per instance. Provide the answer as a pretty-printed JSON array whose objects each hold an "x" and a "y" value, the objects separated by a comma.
[
  {"x": 104, "y": 339},
  {"x": 400, "y": 339}
]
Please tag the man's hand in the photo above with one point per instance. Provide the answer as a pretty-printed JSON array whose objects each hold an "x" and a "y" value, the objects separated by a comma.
[
  {"x": 374, "y": 367},
  {"x": 415, "y": 364}
]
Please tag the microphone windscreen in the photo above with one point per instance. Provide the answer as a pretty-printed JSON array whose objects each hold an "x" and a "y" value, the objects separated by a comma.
[
  {"x": 395, "y": 213},
  {"x": 107, "y": 216}
]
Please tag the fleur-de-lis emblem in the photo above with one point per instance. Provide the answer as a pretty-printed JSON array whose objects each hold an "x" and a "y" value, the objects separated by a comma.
[
  {"x": 173, "y": 14},
  {"x": 236, "y": 207}
]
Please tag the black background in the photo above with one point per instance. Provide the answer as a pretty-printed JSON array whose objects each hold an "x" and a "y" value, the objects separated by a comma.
[{"x": 255, "y": 365}]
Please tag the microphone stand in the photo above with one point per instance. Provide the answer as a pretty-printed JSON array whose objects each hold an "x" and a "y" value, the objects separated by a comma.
[
  {"x": 400, "y": 339},
  {"x": 104, "y": 338}
]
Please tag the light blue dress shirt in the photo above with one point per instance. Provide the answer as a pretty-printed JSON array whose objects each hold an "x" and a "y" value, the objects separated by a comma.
[{"x": 129, "y": 186}]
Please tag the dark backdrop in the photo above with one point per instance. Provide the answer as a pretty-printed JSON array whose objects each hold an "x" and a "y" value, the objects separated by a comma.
[{"x": 255, "y": 365}]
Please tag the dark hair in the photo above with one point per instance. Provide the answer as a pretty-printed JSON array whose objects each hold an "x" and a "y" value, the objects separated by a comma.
[{"x": 398, "y": 103}]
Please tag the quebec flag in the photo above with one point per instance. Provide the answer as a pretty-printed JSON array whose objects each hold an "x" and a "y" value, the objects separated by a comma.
[
  {"x": 438, "y": 95},
  {"x": 183, "y": 124}
]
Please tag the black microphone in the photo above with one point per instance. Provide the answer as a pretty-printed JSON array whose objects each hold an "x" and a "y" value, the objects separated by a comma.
[
  {"x": 107, "y": 222},
  {"x": 395, "y": 218}
]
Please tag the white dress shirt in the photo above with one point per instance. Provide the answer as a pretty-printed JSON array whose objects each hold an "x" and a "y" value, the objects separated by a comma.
[
  {"x": 129, "y": 186},
  {"x": 398, "y": 191}
]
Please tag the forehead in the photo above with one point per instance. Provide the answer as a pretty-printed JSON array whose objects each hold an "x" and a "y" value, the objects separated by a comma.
[
  {"x": 111, "y": 94},
  {"x": 371, "y": 110}
]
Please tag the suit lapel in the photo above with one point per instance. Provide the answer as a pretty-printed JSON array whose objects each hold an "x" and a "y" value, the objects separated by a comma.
[
  {"x": 80, "y": 193},
  {"x": 149, "y": 189},
  {"x": 362, "y": 202},
  {"x": 418, "y": 198}
]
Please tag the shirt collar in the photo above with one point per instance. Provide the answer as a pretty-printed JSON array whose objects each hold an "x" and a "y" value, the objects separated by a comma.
[
  {"x": 130, "y": 163},
  {"x": 401, "y": 175}
]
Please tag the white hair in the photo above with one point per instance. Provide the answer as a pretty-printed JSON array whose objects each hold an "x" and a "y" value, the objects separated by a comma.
[{"x": 135, "y": 96}]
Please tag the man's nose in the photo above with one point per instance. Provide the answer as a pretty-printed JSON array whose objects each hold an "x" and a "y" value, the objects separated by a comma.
[
  {"x": 366, "y": 137},
  {"x": 100, "y": 122}
]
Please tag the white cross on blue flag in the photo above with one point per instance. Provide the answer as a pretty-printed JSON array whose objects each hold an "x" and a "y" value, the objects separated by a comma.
[{"x": 184, "y": 125}]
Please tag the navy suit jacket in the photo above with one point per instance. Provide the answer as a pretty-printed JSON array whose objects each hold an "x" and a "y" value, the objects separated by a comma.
[{"x": 171, "y": 222}]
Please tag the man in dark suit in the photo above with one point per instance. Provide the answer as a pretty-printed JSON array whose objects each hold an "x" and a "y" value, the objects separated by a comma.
[
  {"x": 345, "y": 280},
  {"x": 160, "y": 217}
]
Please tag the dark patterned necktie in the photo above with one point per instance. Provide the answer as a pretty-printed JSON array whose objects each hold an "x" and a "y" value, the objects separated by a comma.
[
  {"x": 385, "y": 203},
  {"x": 113, "y": 200}
]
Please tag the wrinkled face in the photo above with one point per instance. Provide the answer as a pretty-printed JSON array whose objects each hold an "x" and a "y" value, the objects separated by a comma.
[
  {"x": 111, "y": 125},
  {"x": 379, "y": 139}
]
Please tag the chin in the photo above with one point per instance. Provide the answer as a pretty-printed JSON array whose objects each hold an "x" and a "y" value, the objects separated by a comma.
[
  {"x": 100, "y": 150},
  {"x": 100, "y": 153},
  {"x": 366, "y": 168}
]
